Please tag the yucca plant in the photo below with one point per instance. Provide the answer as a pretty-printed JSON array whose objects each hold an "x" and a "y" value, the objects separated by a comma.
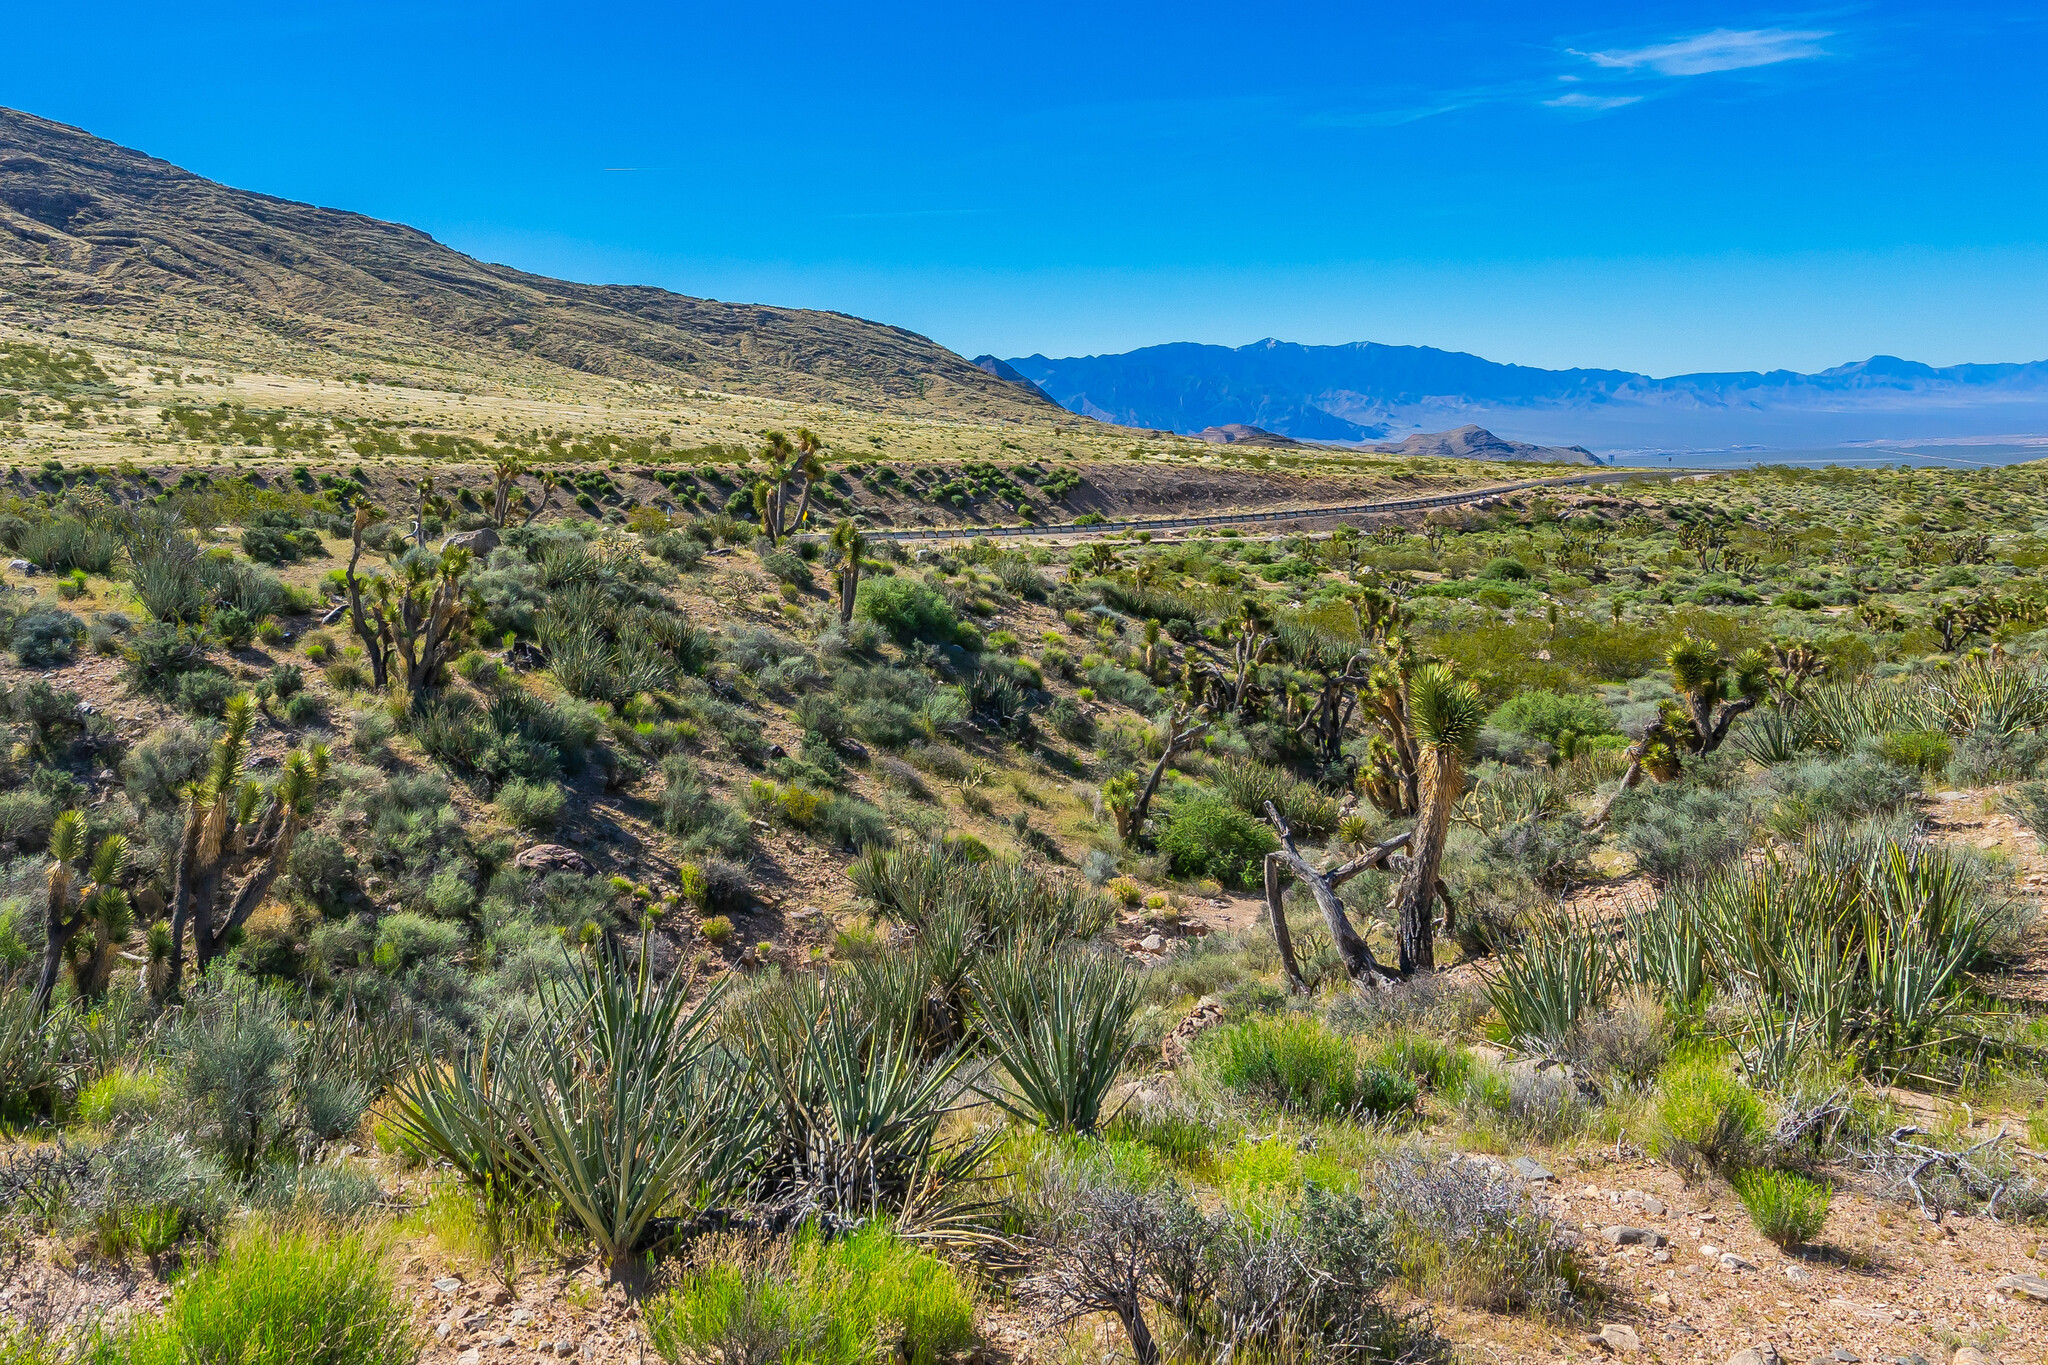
[
  {"x": 1667, "y": 951},
  {"x": 1559, "y": 973},
  {"x": 1059, "y": 1028},
  {"x": 1445, "y": 713},
  {"x": 71, "y": 905},
  {"x": 40, "y": 1058},
  {"x": 1769, "y": 737}
]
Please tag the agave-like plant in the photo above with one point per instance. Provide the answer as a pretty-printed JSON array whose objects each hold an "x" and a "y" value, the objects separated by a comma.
[
  {"x": 1559, "y": 973},
  {"x": 1060, "y": 1028},
  {"x": 1770, "y": 737}
]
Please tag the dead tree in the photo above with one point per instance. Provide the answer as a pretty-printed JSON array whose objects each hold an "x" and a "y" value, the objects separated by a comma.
[
  {"x": 236, "y": 840},
  {"x": 1356, "y": 954}
]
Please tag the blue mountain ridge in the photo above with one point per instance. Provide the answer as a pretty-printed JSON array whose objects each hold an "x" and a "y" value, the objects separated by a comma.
[{"x": 1367, "y": 391}]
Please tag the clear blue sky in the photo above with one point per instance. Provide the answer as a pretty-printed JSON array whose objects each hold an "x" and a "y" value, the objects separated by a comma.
[{"x": 1650, "y": 186}]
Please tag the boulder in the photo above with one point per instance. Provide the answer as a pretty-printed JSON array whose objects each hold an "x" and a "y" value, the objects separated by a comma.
[
  {"x": 1632, "y": 1237},
  {"x": 552, "y": 858},
  {"x": 1206, "y": 1014},
  {"x": 479, "y": 543},
  {"x": 1617, "y": 1338},
  {"x": 2028, "y": 1286}
]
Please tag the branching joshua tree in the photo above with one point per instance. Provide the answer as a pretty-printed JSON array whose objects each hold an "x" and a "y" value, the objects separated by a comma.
[
  {"x": 787, "y": 463},
  {"x": 414, "y": 619},
  {"x": 506, "y": 471},
  {"x": 1446, "y": 714},
  {"x": 1711, "y": 693},
  {"x": 849, "y": 544},
  {"x": 1127, "y": 799},
  {"x": 1250, "y": 632},
  {"x": 1356, "y": 954},
  {"x": 97, "y": 901},
  {"x": 236, "y": 840}
]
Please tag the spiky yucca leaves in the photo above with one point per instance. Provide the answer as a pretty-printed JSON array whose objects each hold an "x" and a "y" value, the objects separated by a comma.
[
  {"x": 1711, "y": 693},
  {"x": 1558, "y": 974},
  {"x": 1864, "y": 945},
  {"x": 856, "y": 1108},
  {"x": 237, "y": 838},
  {"x": 1445, "y": 714},
  {"x": 1000, "y": 900},
  {"x": 614, "y": 1107},
  {"x": 1059, "y": 1028},
  {"x": 70, "y": 906}
]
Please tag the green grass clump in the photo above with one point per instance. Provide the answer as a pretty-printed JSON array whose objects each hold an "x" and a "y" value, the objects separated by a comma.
[
  {"x": 532, "y": 805},
  {"x": 284, "y": 1296},
  {"x": 1786, "y": 1209},
  {"x": 1300, "y": 1064},
  {"x": 1706, "y": 1115},
  {"x": 121, "y": 1097},
  {"x": 846, "y": 1302}
]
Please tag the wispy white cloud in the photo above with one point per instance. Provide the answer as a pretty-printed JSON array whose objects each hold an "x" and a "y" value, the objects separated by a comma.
[
  {"x": 1579, "y": 99},
  {"x": 1723, "y": 49}
]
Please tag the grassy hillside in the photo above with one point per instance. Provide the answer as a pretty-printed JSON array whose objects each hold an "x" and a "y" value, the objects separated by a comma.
[{"x": 664, "y": 913}]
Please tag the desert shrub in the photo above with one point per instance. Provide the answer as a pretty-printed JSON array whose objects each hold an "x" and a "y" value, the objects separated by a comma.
[
  {"x": 406, "y": 938},
  {"x": 1554, "y": 854},
  {"x": 205, "y": 693},
  {"x": 851, "y": 823},
  {"x": 160, "y": 654},
  {"x": 1071, "y": 722},
  {"x": 1678, "y": 830},
  {"x": 846, "y": 1301},
  {"x": 1468, "y": 1234},
  {"x": 1627, "y": 1041},
  {"x": 1837, "y": 791},
  {"x": 1504, "y": 569},
  {"x": 2028, "y": 803},
  {"x": 44, "y": 636},
  {"x": 1295, "y": 1062},
  {"x": 531, "y": 805},
  {"x": 1706, "y": 1116},
  {"x": 307, "y": 1296},
  {"x": 716, "y": 929},
  {"x": 1523, "y": 1104},
  {"x": 1134, "y": 690},
  {"x": 788, "y": 566},
  {"x": 64, "y": 544},
  {"x": 1787, "y": 1210},
  {"x": 1207, "y": 836},
  {"x": 25, "y": 819},
  {"x": 1987, "y": 756},
  {"x": 1546, "y": 715},
  {"x": 906, "y": 608},
  {"x": 233, "y": 627}
]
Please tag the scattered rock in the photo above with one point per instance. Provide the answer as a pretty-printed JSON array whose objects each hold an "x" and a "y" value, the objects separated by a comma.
[
  {"x": 552, "y": 858},
  {"x": 1207, "y": 1013},
  {"x": 1732, "y": 1263},
  {"x": 1616, "y": 1337},
  {"x": 1710, "y": 1217},
  {"x": 22, "y": 567},
  {"x": 1970, "y": 1355},
  {"x": 1152, "y": 943},
  {"x": 2031, "y": 1286},
  {"x": 472, "y": 1356},
  {"x": 1632, "y": 1237},
  {"x": 1766, "y": 1354},
  {"x": 1709, "y": 1251},
  {"x": 520, "y": 1317},
  {"x": 565, "y": 1347},
  {"x": 1648, "y": 1203},
  {"x": 1798, "y": 1274},
  {"x": 444, "y": 1328},
  {"x": 1528, "y": 1169},
  {"x": 1660, "y": 1299},
  {"x": 1844, "y": 1356},
  {"x": 448, "y": 1284},
  {"x": 500, "y": 1295}
]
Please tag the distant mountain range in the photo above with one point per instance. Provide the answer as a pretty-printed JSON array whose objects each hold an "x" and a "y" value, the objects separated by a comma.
[{"x": 1369, "y": 393}]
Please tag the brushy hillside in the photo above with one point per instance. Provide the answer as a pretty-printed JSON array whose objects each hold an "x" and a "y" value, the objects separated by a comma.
[{"x": 512, "y": 914}]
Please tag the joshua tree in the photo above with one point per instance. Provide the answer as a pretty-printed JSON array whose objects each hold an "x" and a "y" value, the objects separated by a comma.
[
  {"x": 787, "y": 462},
  {"x": 1251, "y": 641},
  {"x": 1446, "y": 714},
  {"x": 506, "y": 472},
  {"x": 237, "y": 837},
  {"x": 849, "y": 544},
  {"x": 1127, "y": 800},
  {"x": 416, "y": 620},
  {"x": 1711, "y": 694},
  {"x": 1359, "y": 963},
  {"x": 72, "y": 906}
]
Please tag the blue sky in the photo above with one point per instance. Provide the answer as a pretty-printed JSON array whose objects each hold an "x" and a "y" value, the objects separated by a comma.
[{"x": 1648, "y": 186}]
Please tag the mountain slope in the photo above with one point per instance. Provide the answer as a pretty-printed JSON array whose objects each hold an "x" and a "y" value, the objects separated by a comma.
[
  {"x": 1366, "y": 391},
  {"x": 93, "y": 231}
]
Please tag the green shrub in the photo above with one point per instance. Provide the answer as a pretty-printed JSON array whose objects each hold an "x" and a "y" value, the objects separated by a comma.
[
  {"x": 284, "y": 1296},
  {"x": 1207, "y": 836},
  {"x": 1307, "y": 808},
  {"x": 1680, "y": 830},
  {"x": 1543, "y": 714},
  {"x": 1787, "y": 1210},
  {"x": 1505, "y": 569},
  {"x": 1838, "y": 791},
  {"x": 1295, "y": 1062},
  {"x": 205, "y": 693},
  {"x": 849, "y": 1301},
  {"x": 906, "y": 608},
  {"x": 43, "y": 636},
  {"x": 716, "y": 929},
  {"x": 1706, "y": 1116},
  {"x": 233, "y": 627},
  {"x": 531, "y": 805}
]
